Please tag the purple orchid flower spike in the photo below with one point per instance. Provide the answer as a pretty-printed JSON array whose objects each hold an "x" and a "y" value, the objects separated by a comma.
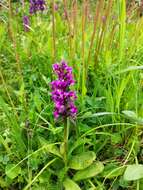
[
  {"x": 26, "y": 23},
  {"x": 37, "y": 5},
  {"x": 62, "y": 96}
]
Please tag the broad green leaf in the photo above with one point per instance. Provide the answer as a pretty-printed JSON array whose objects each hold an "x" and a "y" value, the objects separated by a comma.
[
  {"x": 51, "y": 148},
  {"x": 82, "y": 161},
  {"x": 12, "y": 171},
  {"x": 89, "y": 172},
  {"x": 90, "y": 115},
  {"x": 133, "y": 116},
  {"x": 133, "y": 172},
  {"x": 62, "y": 148},
  {"x": 112, "y": 170},
  {"x": 70, "y": 185},
  {"x": 78, "y": 143},
  {"x": 54, "y": 150},
  {"x": 129, "y": 114},
  {"x": 86, "y": 114}
]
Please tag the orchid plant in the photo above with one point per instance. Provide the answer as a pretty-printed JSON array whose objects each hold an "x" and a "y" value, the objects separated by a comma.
[
  {"x": 64, "y": 108},
  {"x": 63, "y": 97}
]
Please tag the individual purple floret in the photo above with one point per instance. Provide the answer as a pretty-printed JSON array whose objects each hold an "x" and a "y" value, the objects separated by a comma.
[
  {"x": 41, "y": 5},
  {"x": 26, "y": 23},
  {"x": 33, "y": 6},
  {"x": 62, "y": 96},
  {"x": 56, "y": 7},
  {"x": 36, "y": 5}
]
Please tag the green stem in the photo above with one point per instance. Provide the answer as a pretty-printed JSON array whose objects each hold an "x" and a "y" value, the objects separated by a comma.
[
  {"x": 69, "y": 26},
  {"x": 66, "y": 134},
  {"x": 84, "y": 15},
  {"x": 53, "y": 32}
]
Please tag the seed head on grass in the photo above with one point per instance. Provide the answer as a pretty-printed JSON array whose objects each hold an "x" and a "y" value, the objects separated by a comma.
[{"x": 62, "y": 96}]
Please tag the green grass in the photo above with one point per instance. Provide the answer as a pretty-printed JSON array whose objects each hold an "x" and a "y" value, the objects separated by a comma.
[{"x": 103, "y": 42}]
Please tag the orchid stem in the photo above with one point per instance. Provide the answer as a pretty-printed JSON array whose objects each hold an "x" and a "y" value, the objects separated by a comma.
[{"x": 66, "y": 134}]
